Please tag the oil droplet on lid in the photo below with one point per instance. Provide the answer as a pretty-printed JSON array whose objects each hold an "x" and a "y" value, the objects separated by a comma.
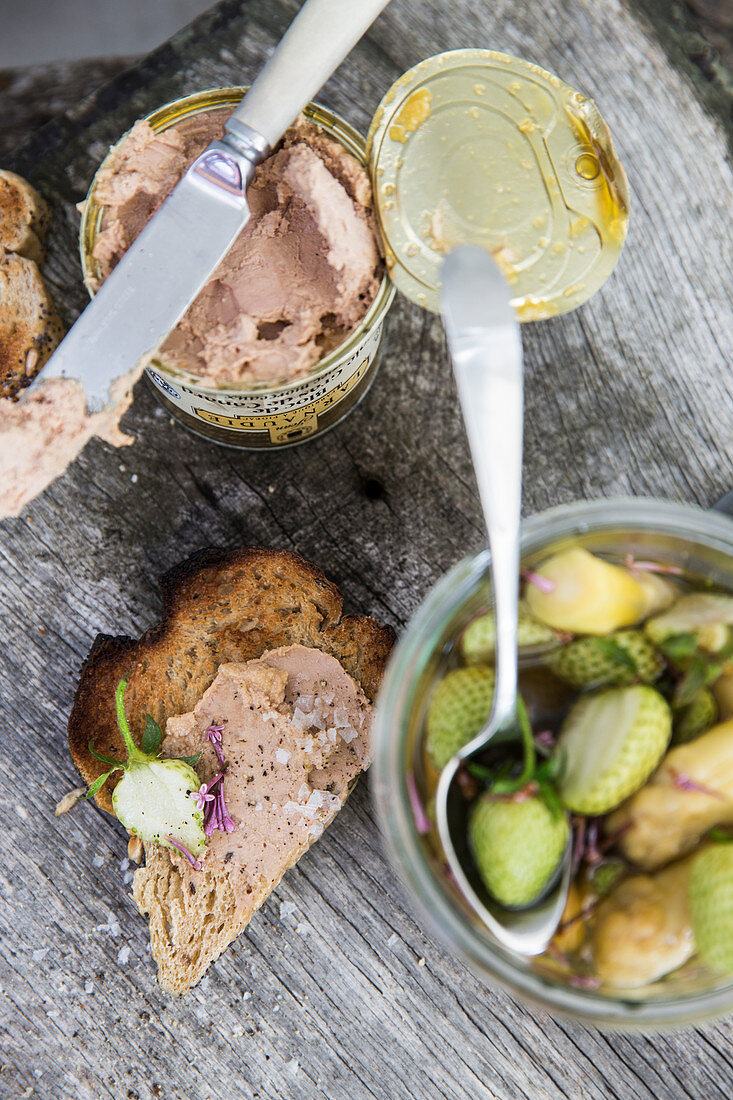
[
  {"x": 587, "y": 166},
  {"x": 479, "y": 89}
]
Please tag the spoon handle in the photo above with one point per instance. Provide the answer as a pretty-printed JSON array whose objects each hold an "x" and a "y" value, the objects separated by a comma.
[{"x": 486, "y": 349}]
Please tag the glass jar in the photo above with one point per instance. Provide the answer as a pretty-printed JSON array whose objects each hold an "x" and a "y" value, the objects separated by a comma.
[
  {"x": 261, "y": 415},
  {"x": 699, "y": 542}
]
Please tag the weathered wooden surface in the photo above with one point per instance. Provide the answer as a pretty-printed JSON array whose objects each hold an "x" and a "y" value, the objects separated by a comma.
[
  {"x": 34, "y": 95},
  {"x": 631, "y": 394}
]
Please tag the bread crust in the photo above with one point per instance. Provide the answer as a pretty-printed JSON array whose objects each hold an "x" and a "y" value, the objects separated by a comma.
[
  {"x": 218, "y": 606},
  {"x": 30, "y": 328},
  {"x": 24, "y": 217}
]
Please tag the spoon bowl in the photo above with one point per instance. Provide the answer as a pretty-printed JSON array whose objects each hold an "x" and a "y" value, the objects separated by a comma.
[{"x": 526, "y": 930}]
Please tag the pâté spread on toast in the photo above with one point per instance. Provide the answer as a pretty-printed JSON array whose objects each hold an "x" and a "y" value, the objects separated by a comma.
[{"x": 250, "y": 706}]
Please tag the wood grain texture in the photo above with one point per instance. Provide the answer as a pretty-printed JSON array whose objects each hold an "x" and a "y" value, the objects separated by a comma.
[
  {"x": 630, "y": 394},
  {"x": 32, "y": 96}
]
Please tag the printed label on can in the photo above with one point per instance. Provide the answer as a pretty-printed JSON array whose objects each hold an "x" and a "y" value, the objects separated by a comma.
[{"x": 289, "y": 411}]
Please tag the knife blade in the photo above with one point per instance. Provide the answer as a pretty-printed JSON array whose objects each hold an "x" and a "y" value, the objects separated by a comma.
[{"x": 162, "y": 272}]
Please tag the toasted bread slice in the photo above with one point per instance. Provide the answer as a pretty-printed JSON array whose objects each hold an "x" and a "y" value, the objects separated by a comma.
[
  {"x": 219, "y": 608},
  {"x": 29, "y": 326},
  {"x": 24, "y": 217}
]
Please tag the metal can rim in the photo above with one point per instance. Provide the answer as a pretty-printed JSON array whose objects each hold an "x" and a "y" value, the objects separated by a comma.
[{"x": 183, "y": 107}]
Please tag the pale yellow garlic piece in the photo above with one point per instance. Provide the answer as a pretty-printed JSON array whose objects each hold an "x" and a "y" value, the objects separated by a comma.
[
  {"x": 588, "y": 595},
  {"x": 690, "y": 793},
  {"x": 572, "y": 926},
  {"x": 659, "y": 593},
  {"x": 643, "y": 929}
]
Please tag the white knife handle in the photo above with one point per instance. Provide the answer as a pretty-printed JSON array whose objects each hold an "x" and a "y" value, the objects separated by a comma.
[{"x": 316, "y": 42}]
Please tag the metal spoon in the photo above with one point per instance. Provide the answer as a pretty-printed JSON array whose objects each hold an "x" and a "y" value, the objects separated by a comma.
[{"x": 486, "y": 349}]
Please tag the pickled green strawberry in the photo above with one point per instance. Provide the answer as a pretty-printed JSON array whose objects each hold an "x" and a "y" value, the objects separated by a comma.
[
  {"x": 153, "y": 800},
  {"x": 610, "y": 744},
  {"x": 604, "y": 876},
  {"x": 459, "y": 707},
  {"x": 696, "y": 718},
  {"x": 153, "y": 797},
  {"x": 516, "y": 846},
  {"x": 620, "y": 658},
  {"x": 710, "y": 894},
  {"x": 478, "y": 644},
  {"x": 704, "y": 615},
  {"x": 582, "y": 594}
]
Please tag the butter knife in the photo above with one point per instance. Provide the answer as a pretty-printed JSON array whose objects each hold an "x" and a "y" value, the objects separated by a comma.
[{"x": 171, "y": 260}]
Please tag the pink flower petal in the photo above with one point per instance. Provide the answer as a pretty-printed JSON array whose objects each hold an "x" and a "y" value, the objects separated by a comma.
[
  {"x": 543, "y": 583},
  {"x": 422, "y": 821}
]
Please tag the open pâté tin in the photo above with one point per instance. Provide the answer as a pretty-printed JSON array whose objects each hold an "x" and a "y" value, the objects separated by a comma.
[{"x": 469, "y": 146}]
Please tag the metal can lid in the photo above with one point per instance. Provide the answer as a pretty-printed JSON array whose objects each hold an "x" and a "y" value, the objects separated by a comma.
[{"x": 476, "y": 146}]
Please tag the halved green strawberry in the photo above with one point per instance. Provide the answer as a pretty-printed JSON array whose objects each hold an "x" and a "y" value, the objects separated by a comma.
[
  {"x": 619, "y": 658},
  {"x": 611, "y": 742},
  {"x": 704, "y": 615},
  {"x": 478, "y": 643},
  {"x": 710, "y": 894},
  {"x": 153, "y": 797},
  {"x": 516, "y": 846},
  {"x": 459, "y": 708},
  {"x": 154, "y": 801},
  {"x": 696, "y": 718}
]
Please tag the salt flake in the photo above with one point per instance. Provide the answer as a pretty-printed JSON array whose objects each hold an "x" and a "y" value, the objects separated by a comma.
[{"x": 300, "y": 719}]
